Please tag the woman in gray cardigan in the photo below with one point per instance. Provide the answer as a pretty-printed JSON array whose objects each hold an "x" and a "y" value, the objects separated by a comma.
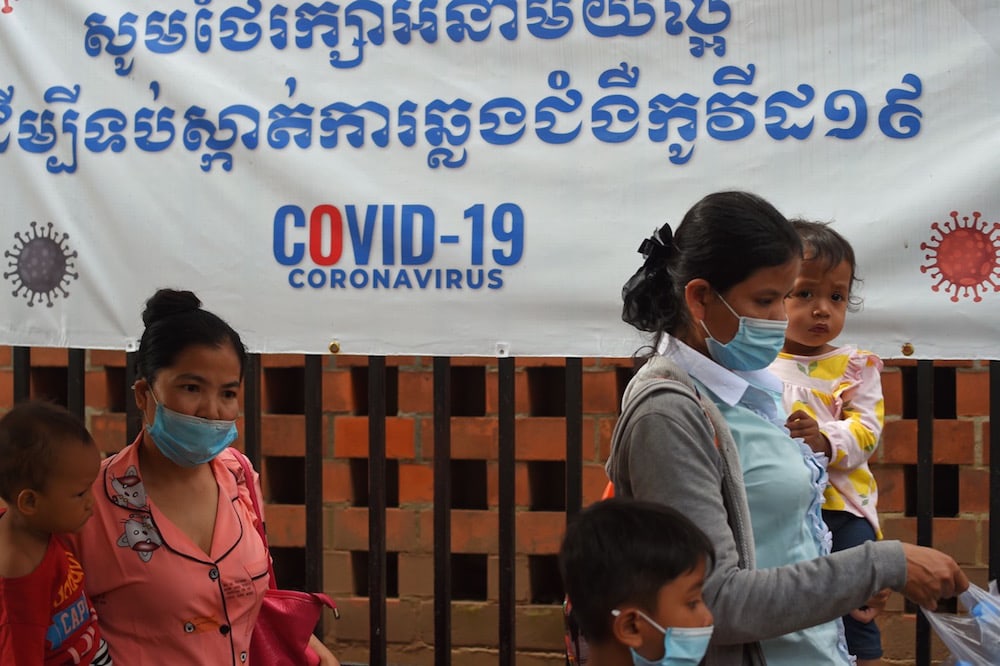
[{"x": 702, "y": 430}]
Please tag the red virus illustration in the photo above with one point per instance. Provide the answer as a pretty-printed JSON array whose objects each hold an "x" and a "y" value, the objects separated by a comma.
[
  {"x": 41, "y": 265},
  {"x": 7, "y": 9},
  {"x": 964, "y": 256}
]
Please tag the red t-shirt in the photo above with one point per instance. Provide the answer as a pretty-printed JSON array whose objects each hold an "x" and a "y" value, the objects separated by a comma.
[{"x": 45, "y": 617}]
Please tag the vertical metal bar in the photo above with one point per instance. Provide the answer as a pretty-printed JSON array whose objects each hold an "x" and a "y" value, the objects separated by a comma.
[
  {"x": 442, "y": 511},
  {"x": 314, "y": 475},
  {"x": 252, "y": 411},
  {"x": 506, "y": 517},
  {"x": 925, "y": 487},
  {"x": 376, "y": 510},
  {"x": 994, "y": 556},
  {"x": 574, "y": 436},
  {"x": 132, "y": 419},
  {"x": 75, "y": 377},
  {"x": 22, "y": 373}
]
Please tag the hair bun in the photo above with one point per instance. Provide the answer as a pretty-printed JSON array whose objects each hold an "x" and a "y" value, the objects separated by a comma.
[{"x": 167, "y": 303}]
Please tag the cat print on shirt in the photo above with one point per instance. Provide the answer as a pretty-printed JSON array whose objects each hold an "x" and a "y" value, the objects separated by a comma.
[
  {"x": 130, "y": 492},
  {"x": 141, "y": 536}
]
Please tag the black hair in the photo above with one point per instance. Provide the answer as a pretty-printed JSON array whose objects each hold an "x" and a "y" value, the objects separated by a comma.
[
  {"x": 175, "y": 321},
  {"x": 622, "y": 551},
  {"x": 30, "y": 435},
  {"x": 723, "y": 239},
  {"x": 822, "y": 243}
]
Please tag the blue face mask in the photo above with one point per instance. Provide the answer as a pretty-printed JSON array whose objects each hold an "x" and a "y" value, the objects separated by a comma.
[
  {"x": 189, "y": 441},
  {"x": 755, "y": 345},
  {"x": 682, "y": 646}
]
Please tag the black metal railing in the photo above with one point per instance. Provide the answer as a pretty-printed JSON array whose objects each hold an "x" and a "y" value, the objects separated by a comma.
[{"x": 377, "y": 468}]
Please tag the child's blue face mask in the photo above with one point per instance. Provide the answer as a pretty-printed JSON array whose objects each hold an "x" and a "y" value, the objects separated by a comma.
[
  {"x": 682, "y": 646},
  {"x": 189, "y": 441},
  {"x": 755, "y": 345}
]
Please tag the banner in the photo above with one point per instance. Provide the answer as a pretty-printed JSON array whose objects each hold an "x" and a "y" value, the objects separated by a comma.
[{"x": 473, "y": 177}]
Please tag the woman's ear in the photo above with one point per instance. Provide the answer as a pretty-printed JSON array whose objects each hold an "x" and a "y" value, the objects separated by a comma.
[
  {"x": 140, "y": 390},
  {"x": 697, "y": 294},
  {"x": 626, "y": 630}
]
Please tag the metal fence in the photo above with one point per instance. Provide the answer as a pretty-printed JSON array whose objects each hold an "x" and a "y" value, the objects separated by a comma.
[{"x": 21, "y": 358}]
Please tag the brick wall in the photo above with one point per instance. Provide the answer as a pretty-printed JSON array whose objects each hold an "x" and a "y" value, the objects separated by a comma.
[{"x": 961, "y": 431}]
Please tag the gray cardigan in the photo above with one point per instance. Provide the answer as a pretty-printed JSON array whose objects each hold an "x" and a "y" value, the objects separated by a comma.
[{"x": 664, "y": 449}]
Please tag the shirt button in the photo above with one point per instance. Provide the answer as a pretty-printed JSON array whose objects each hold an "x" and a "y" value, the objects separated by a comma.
[
  {"x": 243, "y": 656},
  {"x": 224, "y": 629},
  {"x": 213, "y": 574},
  {"x": 188, "y": 627}
]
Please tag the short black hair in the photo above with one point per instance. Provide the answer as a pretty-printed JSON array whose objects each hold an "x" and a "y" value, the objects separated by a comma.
[
  {"x": 174, "y": 322},
  {"x": 623, "y": 550},
  {"x": 29, "y": 436},
  {"x": 824, "y": 244}
]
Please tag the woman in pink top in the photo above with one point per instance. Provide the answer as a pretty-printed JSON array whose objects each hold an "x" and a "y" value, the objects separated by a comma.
[{"x": 174, "y": 563}]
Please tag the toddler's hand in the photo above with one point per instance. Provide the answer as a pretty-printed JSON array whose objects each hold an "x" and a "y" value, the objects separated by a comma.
[{"x": 800, "y": 424}]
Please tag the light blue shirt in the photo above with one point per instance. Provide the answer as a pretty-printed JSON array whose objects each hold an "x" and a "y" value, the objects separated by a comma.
[{"x": 779, "y": 485}]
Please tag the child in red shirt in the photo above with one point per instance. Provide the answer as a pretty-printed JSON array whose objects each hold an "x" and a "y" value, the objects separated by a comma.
[{"x": 48, "y": 463}]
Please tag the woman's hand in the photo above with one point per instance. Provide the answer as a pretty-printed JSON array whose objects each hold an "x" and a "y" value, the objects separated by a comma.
[
  {"x": 800, "y": 424},
  {"x": 931, "y": 575},
  {"x": 872, "y": 607},
  {"x": 326, "y": 657}
]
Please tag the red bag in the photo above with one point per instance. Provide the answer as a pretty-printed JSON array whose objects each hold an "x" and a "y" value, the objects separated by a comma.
[{"x": 287, "y": 617}]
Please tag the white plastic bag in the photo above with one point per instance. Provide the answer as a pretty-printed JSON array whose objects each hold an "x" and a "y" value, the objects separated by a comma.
[{"x": 973, "y": 639}]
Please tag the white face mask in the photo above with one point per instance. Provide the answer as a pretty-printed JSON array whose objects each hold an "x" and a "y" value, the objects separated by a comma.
[{"x": 682, "y": 646}]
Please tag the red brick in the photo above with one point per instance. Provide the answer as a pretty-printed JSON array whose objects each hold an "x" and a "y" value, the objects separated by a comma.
[
  {"x": 954, "y": 442},
  {"x": 416, "y": 392},
  {"x": 338, "y": 391},
  {"x": 49, "y": 357},
  {"x": 472, "y": 437},
  {"x": 95, "y": 388},
  {"x": 416, "y": 575},
  {"x": 282, "y": 360},
  {"x": 490, "y": 362},
  {"x": 600, "y": 392},
  {"x": 895, "y": 527},
  {"x": 539, "y": 532},
  {"x": 892, "y": 391},
  {"x": 973, "y": 490},
  {"x": 960, "y": 538},
  {"x": 522, "y": 578},
  {"x": 522, "y": 491},
  {"x": 406, "y": 531},
  {"x": 474, "y": 532},
  {"x": 6, "y": 389},
  {"x": 337, "y": 481},
  {"x": 972, "y": 392},
  {"x": 350, "y": 437},
  {"x": 338, "y": 573},
  {"x": 286, "y": 525},
  {"x": 357, "y": 360},
  {"x": 5, "y": 356},
  {"x": 891, "y": 488},
  {"x": 283, "y": 434},
  {"x": 522, "y": 397},
  {"x": 605, "y": 428},
  {"x": 539, "y": 362},
  {"x": 540, "y": 438},
  {"x": 416, "y": 483},
  {"x": 109, "y": 431},
  {"x": 114, "y": 358}
]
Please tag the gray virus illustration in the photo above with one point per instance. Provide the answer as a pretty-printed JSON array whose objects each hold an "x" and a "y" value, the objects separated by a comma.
[{"x": 41, "y": 265}]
